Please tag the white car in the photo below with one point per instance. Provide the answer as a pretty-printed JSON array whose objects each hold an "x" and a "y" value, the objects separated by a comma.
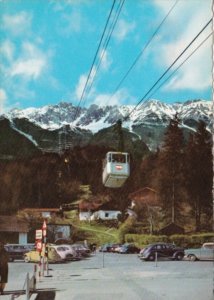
[
  {"x": 67, "y": 252},
  {"x": 206, "y": 252}
]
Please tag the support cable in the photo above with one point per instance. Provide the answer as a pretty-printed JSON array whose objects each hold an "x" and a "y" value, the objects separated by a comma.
[
  {"x": 95, "y": 57},
  {"x": 180, "y": 65},
  {"x": 167, "y": 70},
  {"x": 143, "y": 50},
  {"x": 107, "y": 41}
]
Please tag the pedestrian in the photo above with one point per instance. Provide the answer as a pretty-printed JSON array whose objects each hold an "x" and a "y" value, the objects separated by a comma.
[{"x": 3, "y": 268}]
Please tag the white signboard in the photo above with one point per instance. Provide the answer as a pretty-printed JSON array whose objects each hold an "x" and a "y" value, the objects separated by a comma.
[{"x": 39, "y": 234}]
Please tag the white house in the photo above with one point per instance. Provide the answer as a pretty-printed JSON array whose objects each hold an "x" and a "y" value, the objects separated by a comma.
[
  {"x": 105, "y": 215},
  {"x": 85, "y": 215}
]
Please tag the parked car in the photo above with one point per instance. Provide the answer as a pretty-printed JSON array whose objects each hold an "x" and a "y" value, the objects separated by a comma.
[
  {"x": 67, "y": 252},
  {"x": 17, "y": 251},
  {"x": 162, "y": 250},
  {"x": 63, "y": 241},
  {"x": 128, "y": 248},
  {"x": 54, "y": 255},
  {"x": 81, "y": 250},
  {"x": 115, "y": 248},
  {"x": 141, "y": 252},
  {"x": 105, "y": 247},
  {"x": 205, "y": 252}
]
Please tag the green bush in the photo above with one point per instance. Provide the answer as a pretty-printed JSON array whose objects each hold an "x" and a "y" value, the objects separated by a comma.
[
  {"x": 125, "y": 228},
  {"x": 144, "y": 239},
  {"x": 182, "y": 240}
]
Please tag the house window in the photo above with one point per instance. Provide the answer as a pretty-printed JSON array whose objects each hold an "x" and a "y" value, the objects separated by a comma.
[{"x": 106, "y": 215}]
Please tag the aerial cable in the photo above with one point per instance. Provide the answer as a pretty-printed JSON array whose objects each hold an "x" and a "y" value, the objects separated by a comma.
[
  {"x": 180, "y": 65},
  {"x": 95, "y": 56},
  {"x": 167, "y": 70},
  {"x": 107, "y": 40},
  {"x": 143, "y": 50}
]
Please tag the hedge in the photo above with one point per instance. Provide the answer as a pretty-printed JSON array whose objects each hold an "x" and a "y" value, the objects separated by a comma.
[{"x": 183, "y": 240}]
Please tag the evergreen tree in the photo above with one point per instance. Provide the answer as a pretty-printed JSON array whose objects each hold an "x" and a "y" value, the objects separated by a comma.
[
  {"x": 170, "y": 177},
  {"x": 199, "y": 172}
]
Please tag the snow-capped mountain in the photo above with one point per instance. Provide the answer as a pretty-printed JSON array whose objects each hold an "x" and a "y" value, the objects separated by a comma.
[
  {"x": 97, "y": 117},
  {"x": 64, "y": 123}
]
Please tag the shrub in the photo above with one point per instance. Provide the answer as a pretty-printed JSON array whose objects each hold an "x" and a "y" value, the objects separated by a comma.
[
  {"x": 182, "y": 240},
  {"x": 144, "y": 239},
  {"x": 125, "y": 228}
]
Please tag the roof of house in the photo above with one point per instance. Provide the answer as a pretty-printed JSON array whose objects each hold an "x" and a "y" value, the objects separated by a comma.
[
  {"x": 110, "y": 205},
  {"x": 171, "y": 228},
  {"x": 13, "y": 224},
  {"x": 89, "y": 206},
  {"x": 41, "y": 210},
  {"x": 85, "y": 206},
  {"x": 145, "y": 195}
]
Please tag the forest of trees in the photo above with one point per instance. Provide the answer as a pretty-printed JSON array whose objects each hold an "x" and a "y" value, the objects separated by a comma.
[{"x": 181, "y": 173}]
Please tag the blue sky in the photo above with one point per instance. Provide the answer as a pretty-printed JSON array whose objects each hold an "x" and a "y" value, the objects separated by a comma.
[{"x": 47, "y": 48}]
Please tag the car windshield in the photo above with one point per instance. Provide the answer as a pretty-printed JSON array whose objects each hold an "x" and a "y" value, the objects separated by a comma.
[
  {"x": 209, "y": 246},
  {"x": 61, "y": 248}
]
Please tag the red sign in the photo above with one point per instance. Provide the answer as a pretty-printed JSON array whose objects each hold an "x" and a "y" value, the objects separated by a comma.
[
  {"x": 44, "y": 229},
  {"x": 39, "y": 245},
  {"x": 118, "y": 167},
  {"x": 44, "y": 226}
]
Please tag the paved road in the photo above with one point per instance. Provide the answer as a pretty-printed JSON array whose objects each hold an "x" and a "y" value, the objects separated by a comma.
[{"x": 125, "y": 277}]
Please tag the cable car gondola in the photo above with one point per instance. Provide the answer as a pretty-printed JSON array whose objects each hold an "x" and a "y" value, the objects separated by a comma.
[{"x": 116, "y": 169}]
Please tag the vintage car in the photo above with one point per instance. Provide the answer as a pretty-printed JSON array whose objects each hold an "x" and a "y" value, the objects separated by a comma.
[
  {"x": 161, "y": 251},
  {"x": 52, "y": 253},
  {"x": 17, "y": 251},
  {"x": 206, "y": 252}
]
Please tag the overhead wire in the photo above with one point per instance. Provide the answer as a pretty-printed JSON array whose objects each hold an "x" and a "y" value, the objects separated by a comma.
[
  {"x": 167, "y": 70},
  {"x": 180, "y": 65},
  {"x": 143, "y": 50},
  {"x": 95, "y": 56},
  {"x": 120, "y": 6}
]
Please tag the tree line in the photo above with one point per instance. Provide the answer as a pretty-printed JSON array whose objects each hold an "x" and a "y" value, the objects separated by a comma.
[{"x": 180, "y": 171}]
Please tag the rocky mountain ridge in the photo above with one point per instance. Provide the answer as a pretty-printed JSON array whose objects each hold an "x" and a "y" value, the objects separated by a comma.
[{"x": 64, "y": 125}]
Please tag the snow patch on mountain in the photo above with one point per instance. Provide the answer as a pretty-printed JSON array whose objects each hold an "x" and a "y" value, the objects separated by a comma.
[
  {"x": 28, "y": 136},
  {"x": 96, "y": 117}
]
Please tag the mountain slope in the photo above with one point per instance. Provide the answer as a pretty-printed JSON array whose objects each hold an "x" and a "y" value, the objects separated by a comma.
[
  {"x": 60, "y": 126},
  {"x": 14, "y": 143}
]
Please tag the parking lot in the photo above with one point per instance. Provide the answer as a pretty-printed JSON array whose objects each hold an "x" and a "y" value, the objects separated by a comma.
[{"x": 114, "y": 276}]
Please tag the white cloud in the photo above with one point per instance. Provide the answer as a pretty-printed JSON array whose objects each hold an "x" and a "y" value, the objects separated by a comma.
[
  {"x": 73, "y": 22},
  {"x": 7, "y": 49},
  {"x": 29, "y": 68},
  {"x": 195, "y": 73},
  {"x": 61, "y": 5},
  {"x": 31, "y": 63},
  {"x": 3, "y": 98},
  {"x": 189, "y": 17},
  {"x": 80, "y": 86},
  {"x": 120, "y": 97},
  {"x": 106, "y": 60},
  {"x": 18, "y": 23},
  {"x": 90, "y": 88},
  {"x": 122, "y": 29}
]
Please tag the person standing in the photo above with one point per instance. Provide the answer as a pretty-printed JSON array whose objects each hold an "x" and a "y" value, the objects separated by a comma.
[{"x": 3, "y": 268}]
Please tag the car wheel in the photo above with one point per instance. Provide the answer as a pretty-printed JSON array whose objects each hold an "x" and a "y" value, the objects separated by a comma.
[
  {"x": 192, "y": 257},
  {"x": 26, "y": 259},
  {"x": 151, "y": 257},
  {"x": 69, "y": 257},
  {"x": 179, "y": 256}
]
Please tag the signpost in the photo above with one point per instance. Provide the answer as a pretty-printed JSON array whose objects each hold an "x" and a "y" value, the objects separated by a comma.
[
  {"x": 41, "y": 247},
  {"x": 45, "y": 257},
  {"x": 38, "y": 242},
  {"x": 38, "y": 234}
]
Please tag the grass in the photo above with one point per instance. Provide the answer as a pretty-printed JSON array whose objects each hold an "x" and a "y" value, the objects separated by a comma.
[{"x": 96, "y": 233}]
